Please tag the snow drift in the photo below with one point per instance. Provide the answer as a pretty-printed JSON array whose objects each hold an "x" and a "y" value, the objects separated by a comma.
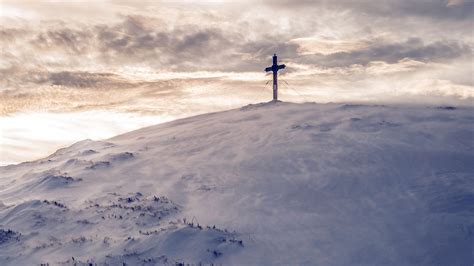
[{"x": 274, "y": 183}]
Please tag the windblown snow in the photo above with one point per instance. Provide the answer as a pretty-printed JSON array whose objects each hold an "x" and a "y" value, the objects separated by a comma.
[{"x": 267, "y": 184}]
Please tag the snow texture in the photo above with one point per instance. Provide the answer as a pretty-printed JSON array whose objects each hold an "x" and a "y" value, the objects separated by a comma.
[{"x": 267, "y": 184}]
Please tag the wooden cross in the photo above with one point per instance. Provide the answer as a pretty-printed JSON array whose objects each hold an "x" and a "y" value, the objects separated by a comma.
[{"x": 274, "y": 68}]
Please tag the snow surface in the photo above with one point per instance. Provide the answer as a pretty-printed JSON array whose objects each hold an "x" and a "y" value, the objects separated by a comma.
[{"x": 274, "y": 183}]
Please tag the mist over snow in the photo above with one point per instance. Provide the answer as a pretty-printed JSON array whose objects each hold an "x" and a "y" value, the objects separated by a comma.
[
  {"x": 32, "y": 135},
  {"x": 274, "y": 183}
]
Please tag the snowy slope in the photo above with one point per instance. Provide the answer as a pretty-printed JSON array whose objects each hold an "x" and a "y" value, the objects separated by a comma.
[{"x": 268, "y": 184}]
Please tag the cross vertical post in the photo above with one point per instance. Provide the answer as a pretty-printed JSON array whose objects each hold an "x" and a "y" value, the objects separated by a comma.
[{"x": 274, "y": 68}]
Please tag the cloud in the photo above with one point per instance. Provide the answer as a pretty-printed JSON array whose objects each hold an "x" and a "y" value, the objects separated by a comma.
[
  {"x": 434, "y": 9},
  {"x": 413, "y": 49},
  {"x": 83, "y": 79},
  {"x": 455, "y": 2},
  {"x": 219, "y": 46},
  {"x": 137, "y": 40},
  {"x": 71, "y": 40},
  {"x": 327, "y": 46},
  {"x": 88, "y": 62}
]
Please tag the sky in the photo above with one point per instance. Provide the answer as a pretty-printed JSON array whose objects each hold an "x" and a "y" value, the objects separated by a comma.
[{"x": 71, "y": 70}]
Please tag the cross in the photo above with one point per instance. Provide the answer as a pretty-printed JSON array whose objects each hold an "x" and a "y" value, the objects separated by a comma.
[{"x": 274, "y": 68}]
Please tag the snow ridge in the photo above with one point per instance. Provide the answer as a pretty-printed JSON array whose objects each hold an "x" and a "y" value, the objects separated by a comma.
[{"x": 274, "y": 183}]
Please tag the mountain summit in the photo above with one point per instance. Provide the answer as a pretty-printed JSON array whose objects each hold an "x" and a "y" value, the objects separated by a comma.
[{"x": 274, "y": 183}]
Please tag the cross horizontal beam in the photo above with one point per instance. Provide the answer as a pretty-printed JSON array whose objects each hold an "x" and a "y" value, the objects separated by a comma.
[{"x": 275, "y": 67}]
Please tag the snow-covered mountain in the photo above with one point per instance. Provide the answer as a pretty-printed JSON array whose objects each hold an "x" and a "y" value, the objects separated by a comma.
[{"x": 267, "y": 184}]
